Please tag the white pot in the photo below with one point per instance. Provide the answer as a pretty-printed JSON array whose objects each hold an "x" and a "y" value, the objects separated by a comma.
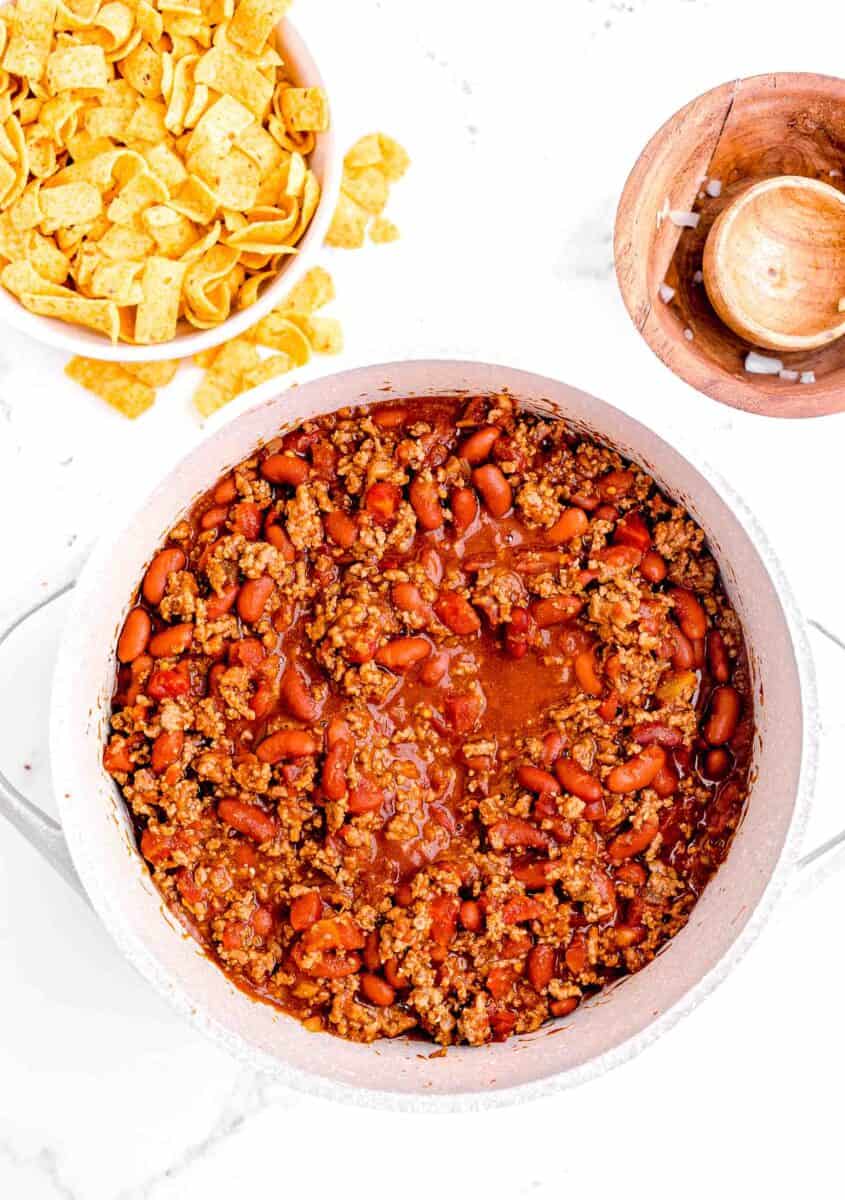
[{"x": 604, "y": 1031}]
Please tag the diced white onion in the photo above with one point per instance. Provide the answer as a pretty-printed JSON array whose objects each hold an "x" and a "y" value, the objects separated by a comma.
[
  {"x": 762, "y": 364},
  {"x": 788, "y": 376},
  {"x": 667, "y": 294},
  {"x": 808, "y": 377},
  {"x": 685, "y": 220},
  {"x": 689, "y": 335},
  {"x": 698, "y": 277},
  {"x": 714, "y": 187}
]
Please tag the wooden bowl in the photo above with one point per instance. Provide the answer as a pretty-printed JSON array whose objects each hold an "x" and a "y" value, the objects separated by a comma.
[{"x": 737, "y": 134}]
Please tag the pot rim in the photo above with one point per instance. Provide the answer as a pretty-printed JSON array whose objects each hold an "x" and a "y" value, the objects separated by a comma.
[{"x": 137, "y": 952}]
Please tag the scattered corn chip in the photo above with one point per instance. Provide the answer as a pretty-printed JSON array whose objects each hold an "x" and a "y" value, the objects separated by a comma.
[
  {"x": 369, "y": 168},
  {"x": 382, "y": 231},
  {"x": 112, "y": 383}
]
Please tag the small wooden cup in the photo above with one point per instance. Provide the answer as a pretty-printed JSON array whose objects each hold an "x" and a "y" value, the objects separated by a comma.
[{"x": 738, "y": 134}]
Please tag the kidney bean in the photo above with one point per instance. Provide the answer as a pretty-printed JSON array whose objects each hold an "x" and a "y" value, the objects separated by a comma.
[
  {"x": 167, "y": 685},
  {"x": 393, "y": 975},
  {"x": 537, "y": 562},
  {"x": 471, "y": 916},
  {"x": 407, "y": 597},
  {"x": 340, "y": 528},
  {"x": 155, "y": 581},
  {"x": 371, "y": 955},
  {"x": 246, "y": 519},
  {"x": 296, "y": 695},
  {"x": 655, "y": 732},
  {"x": 226, "y": 491},
  {"x": 577, "y": 781},
  {"x": 585, "y": 501},
  {"x": 262, "y": 921},
  {"x": 116, "y": 756},
  {"x": 305, "y": 911},
  {"x": 285, "y": 468},
  {"x": 478, "y": 445},
  {"x": 377, "y": 990},
  {"x": 609, "y": 706},
  {"x": 556, "y": 610},
  {"x": 443, "y": 911},
  {"x": 365, "y": 797},
  {"x": 464, "y": 508},
  {"x": 620, "y": 556},
  {"x": 540, "y": 966},
  {"x": 217, "y": 606},
  {"x": 653, "y": 567},
  {"x": 615, "y": 484},
  {"x": 554, "y": 744},
  {"x": 382, "y": 501},
  {"x": 723, "y": 718},
  {"x": 517, "y": 632},
  {"x": 248, "y": 819},
  {"x": 576, "y": 956},
  {"x": 139, "y": 671},
  {"x": 683, "y": 652},
  {"x": 533, "y": 873},
  {"x": 462, "y": 710},
  {"x": 134, "y": 636},
  {"x": 253, "y": 597},
  {"x": 535, "y": 780},
  {"x": 401, "y": 654},
  {"x": 425, "y": 502},
  {"x": 691, "y": 616},
  {"x": 633, "y": 841},
  {"x": 214, "y": 517},
  {"x": 572, "y": 523},
  {"x": 277, "y": 537},
  {"x": 327, "y": 965},
  {"x": 287, "y": 743},
  {"x": 717, "y": 656},
  {"x": 248, "y": 652},
  {"x": 167, "y": 749},
  {"x": 666, "y": 781},
  {"x": 333, "y": 775},
  {"x": 495, "y": 490},
  {"x": 434, "y": 669},
  {"x": 586, "y": 672},
  {"x": 390, "y": 416},
  {"x": 521, "y": 908},
  {"x": 633, "y": 531},
  {"x": 514, "y": 831},
  {"x": 717, "y": 764},
  {"x": 638, "y": 772},
  {"x": 629, "y": 935},
  {"x": 173, "y": 640},
  {"x": 631, "y": 872},
  {"x": 456, "y": 613}
]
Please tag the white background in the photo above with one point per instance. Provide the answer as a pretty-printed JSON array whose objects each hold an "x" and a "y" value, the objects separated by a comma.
[{"x": 522, "y": 121}]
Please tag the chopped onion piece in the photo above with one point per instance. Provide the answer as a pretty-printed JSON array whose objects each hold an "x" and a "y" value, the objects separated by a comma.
[
  {"x": 834, "y": 173},
  {"x": 698, "y": 277},
  {"x": 808, "y": 377},
  {"x": 714, "y": 188},
  {"x": 685, "y": 220},
  {"x": 788, "y": 376},
  {"x": 689, "y": 335},
  {"x": 667, "y": 294},
  {"x": 761, "y": 364}
]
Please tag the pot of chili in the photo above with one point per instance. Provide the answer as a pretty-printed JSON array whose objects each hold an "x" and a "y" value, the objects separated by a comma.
[{"x": 419, "y": 696}]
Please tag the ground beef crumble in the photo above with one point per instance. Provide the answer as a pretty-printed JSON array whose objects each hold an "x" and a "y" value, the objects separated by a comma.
[{"x": 433, "y": 716}]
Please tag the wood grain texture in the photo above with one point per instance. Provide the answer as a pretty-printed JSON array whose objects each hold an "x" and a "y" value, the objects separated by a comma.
[
  {"x": 774, "y": 263},
  {"x": 739, "y": 133}
]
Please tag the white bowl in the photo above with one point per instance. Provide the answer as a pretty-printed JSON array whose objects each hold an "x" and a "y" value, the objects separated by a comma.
[{"x": 324, "y": 162}]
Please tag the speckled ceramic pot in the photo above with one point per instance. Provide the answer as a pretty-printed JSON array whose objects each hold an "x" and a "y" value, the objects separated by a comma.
[{"x": 605, "y": 1031}]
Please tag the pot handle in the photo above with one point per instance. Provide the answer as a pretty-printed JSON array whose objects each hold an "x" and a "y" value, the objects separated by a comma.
[
  {"x": 45, "y": 833},
  {"x": 40, "y": 830}
]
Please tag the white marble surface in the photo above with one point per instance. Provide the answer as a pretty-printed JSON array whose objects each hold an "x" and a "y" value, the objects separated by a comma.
[{"x": 523, "y": 121}]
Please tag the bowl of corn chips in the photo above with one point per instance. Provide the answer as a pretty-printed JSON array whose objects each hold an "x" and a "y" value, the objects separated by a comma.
[{"x": 167, "y": 171}]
